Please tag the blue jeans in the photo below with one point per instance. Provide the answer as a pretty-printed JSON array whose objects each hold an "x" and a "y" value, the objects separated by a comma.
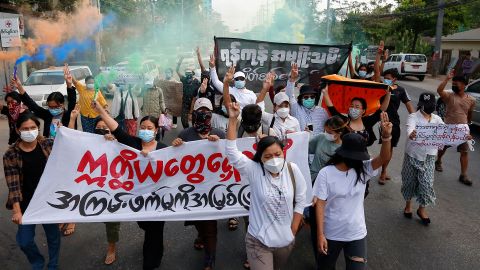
[{"x": 26, "y": 242}]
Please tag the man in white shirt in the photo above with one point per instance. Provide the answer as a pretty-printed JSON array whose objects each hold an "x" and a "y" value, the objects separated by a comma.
[{"x": 241, "y": 94}]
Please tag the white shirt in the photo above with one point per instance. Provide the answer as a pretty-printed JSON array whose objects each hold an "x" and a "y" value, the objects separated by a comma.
[
  {"x": 344, "y": 216},
  {"x": 132, "y": 111},
  {"x": 243, "y": 96},
  {"x": 271, "y": 199},
  {"x": 413, "y": 149},
  {"x": 280, "y": 126},
  {"x": 315, "y": 116}
]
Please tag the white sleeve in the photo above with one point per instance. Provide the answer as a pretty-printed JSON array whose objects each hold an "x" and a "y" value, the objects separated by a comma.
[
  {"x": 289, "y": 90},
  {"x": 369, "y": 171},
  {"x": 411, "y": 123},
  {"x": 215, "y": 81},
  {"x": 266, "y": 118},
  {"x": 320, "y": 188},
  {"x": 300, "y": 190},
  {"x": 297, "y": 125},
  {"x": 237, "y": 159}
]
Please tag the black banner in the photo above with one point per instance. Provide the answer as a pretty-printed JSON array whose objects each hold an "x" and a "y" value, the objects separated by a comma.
[{"x": 256, "y": 58}]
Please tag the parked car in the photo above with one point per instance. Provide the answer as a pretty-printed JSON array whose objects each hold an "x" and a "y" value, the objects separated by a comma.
[
  {"x": 45, "y": 81},
  {"x": 473, "y": 89},
  {"x": 408, "y": 64}
]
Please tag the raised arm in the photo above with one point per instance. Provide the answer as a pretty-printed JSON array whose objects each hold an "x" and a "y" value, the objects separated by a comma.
[
  {"x": 289, "y": 89},
  {"x": 386, "y": 100},
  {"x": 199, "y": 58},
  {"x": 350, "y": 66},
  {"x": 69, "y": 79},
  {"x": 28, "y": 101},
  {"x": 226, "y": 85},
  {"x": 73, "y": 116},
  {"x": 109, "y": 121},
  {"x": 386, "y": 149},
  {"x": 267, "y": 84},
  {"x": 376, "y": 76},
  {"x": 441, "y": 88},
  {"x": 178, "y": 67},
  {"x": 214, "y": 76}
]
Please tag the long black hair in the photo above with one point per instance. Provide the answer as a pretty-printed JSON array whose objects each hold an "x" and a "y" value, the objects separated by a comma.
[
  {"x": 354, "y": 164},
  {"x": 14, "y": 95},
  {"x": 57, "y": 97},
  {"x": 262, "y": 145},
  {"x": 150, "y": 118}
]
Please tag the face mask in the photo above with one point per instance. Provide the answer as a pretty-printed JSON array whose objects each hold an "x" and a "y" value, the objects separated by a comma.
[
  {"x": 239, "y": 84},
  {"x": 56, "y": 111},
  {"x": 428, "y": 109},
  {"x": 146, "y": 135},
  {"x": 14, "y": 111},
  {"x": 274, "y": 165},
  {"x": 29, "y": 135},
  {"x": 90, "y": 85},
  {"x": 354, "y": 113},
  {"x": 362, "y": 73},
  {"x": 387, "y": 82},
  {"x": 224, "y": 110},
  {"x": 308, "y": 103},
  {"x": 283, "y": 112},
  {"x": 455, "y": 89},
  {"x": 168, "y": 76},
  {"x": 101, "y": 131},
  {"x": 251, "y": 128},
  {"x": 202, "y": 121},
  {"x": 330, "y": 137}
]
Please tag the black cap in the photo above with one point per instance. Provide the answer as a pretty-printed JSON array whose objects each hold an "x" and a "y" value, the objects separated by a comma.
[
  {"x": 426, "y": 99},
  {"x": 354, "y": 146},
  {"x": 307, "y": 89}
]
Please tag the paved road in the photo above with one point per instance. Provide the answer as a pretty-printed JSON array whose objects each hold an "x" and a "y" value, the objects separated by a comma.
[{"x": 452, "y": 241}]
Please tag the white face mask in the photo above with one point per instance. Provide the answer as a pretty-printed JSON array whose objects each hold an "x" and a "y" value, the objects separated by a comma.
[
  {"x": 90, "y": 85},
  {"x": 354, "y": 113},
  {"x": 330, "y": 137},
  {"x": 274, "y": 165},
  {"x": 283, "y": 112},
  {"x": 29, "y": 135}
]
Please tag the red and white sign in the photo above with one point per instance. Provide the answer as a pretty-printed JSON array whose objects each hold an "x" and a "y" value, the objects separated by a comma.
[{"x": 10, "y": 32}]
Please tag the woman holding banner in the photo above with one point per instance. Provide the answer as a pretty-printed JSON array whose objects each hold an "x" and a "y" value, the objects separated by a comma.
[
  {"x": 339, "y": 192},
  {"x": 23, "y": 165},
  {"x": 419, "y": 161},
  {"x": 278, "y": 198},
  {"x": 358, "y": 122},
  {"x": 145, "y": 142}
]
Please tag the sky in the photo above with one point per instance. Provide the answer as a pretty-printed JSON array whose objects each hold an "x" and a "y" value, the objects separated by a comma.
[{"x": 239, "y": 14}]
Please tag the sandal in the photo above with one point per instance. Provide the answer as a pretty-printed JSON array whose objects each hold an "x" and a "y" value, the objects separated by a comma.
[
  {"x": 68, "y": 229},
  {"x": 198, "y": 244},
  {"x": 381, "y": 180},
  {"x": 233, "y": 224}
]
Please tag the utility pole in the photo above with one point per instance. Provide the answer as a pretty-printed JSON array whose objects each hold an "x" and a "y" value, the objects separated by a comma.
[
  {"x": 182, "y": 28},
  {"x": 328, "y": 21},
  {"x": 438, "y": 37}
]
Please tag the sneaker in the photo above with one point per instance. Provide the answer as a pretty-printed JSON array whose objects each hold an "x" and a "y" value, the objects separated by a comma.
[
  {"x": 465, "y": 180},
  {"x": 174, "y": 126},
  {"x": 438, "y": 166}
]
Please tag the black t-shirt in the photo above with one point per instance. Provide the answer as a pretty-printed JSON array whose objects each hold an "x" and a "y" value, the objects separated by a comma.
[
  {"x": 210, "y": 93},
  {"x": 33, "y": 164},
  {"x": 190, "y": 88},
  {"x": 132, "y": 141},
  {"x": 190, "y": 134},
  {"x": 398, "y": 95}
]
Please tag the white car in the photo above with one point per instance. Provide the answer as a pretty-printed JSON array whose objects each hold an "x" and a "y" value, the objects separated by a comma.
[
  {"x": 42, "y": 83},
  {"x": 473, "y": 89},
  {"x": 408, "y": 64}
]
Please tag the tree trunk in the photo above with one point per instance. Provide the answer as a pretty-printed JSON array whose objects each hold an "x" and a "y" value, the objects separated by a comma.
[{"x": 414, "y": 43}]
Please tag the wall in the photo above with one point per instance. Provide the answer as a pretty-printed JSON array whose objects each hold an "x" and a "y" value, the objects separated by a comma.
[{"x": 456, "y": 46}]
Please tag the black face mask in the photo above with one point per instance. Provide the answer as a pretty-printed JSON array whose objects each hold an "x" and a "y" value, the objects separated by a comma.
[
  {"x": 101, "y": 131},
  {"x": 202, "y": 121},
  {"x": 455, "y": 89},
  {"x": 429, "y": 108},
  {"x": 251, "y": 128}
]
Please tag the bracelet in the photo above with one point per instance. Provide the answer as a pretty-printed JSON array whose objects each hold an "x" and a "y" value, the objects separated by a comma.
[{"x": 387, "y": 139}]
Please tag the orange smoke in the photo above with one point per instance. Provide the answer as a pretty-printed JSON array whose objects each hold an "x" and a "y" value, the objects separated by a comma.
[{"x": 9, "y": 55}]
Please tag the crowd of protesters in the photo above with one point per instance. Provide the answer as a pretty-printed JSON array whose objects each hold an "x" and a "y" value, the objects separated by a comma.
[{"x": 216, "y": 108}]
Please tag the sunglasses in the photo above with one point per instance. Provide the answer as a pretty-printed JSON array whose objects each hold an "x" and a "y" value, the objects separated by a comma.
[{"x": 239, "y": 79}]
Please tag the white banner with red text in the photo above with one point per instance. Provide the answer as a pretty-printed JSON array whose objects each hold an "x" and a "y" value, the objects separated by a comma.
[{"x": 90, "y": 179}]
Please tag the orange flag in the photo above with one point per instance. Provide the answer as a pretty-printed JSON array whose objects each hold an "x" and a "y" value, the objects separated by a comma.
[{"x": 342, "y": 89}]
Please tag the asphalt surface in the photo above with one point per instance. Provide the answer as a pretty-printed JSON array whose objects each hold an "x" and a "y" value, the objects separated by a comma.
[{"x": 452, "y": 241}]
